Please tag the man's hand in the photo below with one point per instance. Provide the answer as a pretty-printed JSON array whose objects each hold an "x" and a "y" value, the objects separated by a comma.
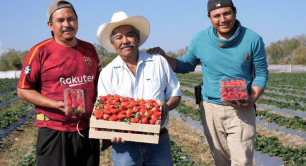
[
  {"x": 247, "y": 104},
  {"x": 156, "y": 50},
  {"x": 165, "y": 112},
  {"x": 61, "y": 106},
  {"x": 117, "y": 140},
  {"x": 106, "y": 143}
]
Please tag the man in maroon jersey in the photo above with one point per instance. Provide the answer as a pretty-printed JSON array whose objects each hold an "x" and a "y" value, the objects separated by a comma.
[{"x": 51, "y": 66}]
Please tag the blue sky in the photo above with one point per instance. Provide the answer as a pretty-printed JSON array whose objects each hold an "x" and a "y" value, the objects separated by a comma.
[{"x": 23, "y": 23}]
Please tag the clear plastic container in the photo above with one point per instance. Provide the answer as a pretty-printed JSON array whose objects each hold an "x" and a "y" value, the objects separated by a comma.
[
  {"x": 233, "y": 89},
  {"x": 74, "y": 102}
]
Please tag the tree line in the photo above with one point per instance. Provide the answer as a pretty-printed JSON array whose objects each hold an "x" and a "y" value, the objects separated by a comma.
[{"x": 286, "y": 51}]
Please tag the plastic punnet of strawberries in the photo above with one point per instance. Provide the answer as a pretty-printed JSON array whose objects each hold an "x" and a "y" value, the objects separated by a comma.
[
  {"x": 74, "y": 102},
  {"x": 233, "y": 89}
]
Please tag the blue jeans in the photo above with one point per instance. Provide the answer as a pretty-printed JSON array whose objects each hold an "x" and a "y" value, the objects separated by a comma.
[{"x": 144, "y": 154}]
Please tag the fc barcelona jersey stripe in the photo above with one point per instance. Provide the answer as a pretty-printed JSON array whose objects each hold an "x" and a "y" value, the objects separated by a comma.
[
  {"x": 36, "y": 50},
  {"x": 22, "y": 84}
]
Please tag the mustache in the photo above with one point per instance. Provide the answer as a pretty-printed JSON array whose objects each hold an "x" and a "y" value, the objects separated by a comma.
[
  {"x": 126, "y": 45},
  {"x": 68, "y": 29}
]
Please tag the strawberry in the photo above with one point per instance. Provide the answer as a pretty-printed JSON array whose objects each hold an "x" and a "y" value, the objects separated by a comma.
[
  {"x": 98, "y": 114},
  {"x": 223, "y": 90},
  {"x": 108, "y": 106},
  {"x": 134, "y": 120},
  {"x": 68, "y": 107},
  {"x": 129, "y": 112},
  {"x": 241, "y": 88},
  {"x": 136, "y": 108},
  {"x": 153, "y": 120},
  {"x": 225, "y": 98},
  {"x": 68, "y": 102},
  {"x": 151, "y": 101},
  {"x": 149, "y": 113},
  {"x": 156, "y": 105},
  {"x": 130, "y": 99},
  {"x": 224, "y": 94},
  {"x": 106, "y": 116},
  {"x": 74, "y": 104},
  {"x": 145, "y": 120},
  {"x": 116, "y": 98},
  {"x": 121, "y": 116},
  {"x": 114, "y": 111},
  {"x": 243, "y": 95},
  {"x": 242, "y": 82},
  {"x": 102, "y": 99},
  {"x": 123, "y": 99},
  {"x": 110, "y": 99},
  {"x": 106, "y": 111},
  {"x": 113, "y": 118},
  {"x": 81, "y": 107}
]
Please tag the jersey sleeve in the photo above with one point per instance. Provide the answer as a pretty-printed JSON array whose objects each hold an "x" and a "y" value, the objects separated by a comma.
[{"x": 31, "y": 70}]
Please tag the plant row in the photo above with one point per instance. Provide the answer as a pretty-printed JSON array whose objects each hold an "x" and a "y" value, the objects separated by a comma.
[
  {"x": 9, "y": 117},
  {"x": 8, "y": 96},
  {"x": 272, "y": 146},
  {"x": 292, "y": 79},
  {"x": 293, "y": 106},
  {"x": 295, "y": 122},
  {"x": 286, "y": 91},
  {"x": 8, "y": 84}
]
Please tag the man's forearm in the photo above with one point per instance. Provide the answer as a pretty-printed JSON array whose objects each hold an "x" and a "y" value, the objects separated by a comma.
[
  {"x": 173, "y": 102},
  {"x": 172, "y": 62},
  {"x": 36, "y": 98},
  {"x": 255, "y": 93}
]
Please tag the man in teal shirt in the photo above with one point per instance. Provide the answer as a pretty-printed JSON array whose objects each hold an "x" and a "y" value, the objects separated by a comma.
[{"x": 226, "y": 50}]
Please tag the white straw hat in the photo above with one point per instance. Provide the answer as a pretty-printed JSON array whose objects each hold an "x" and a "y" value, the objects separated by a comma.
[{"x": 118, "y": 19}]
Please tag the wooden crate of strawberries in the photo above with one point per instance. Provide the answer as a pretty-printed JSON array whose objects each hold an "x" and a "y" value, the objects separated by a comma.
[{"x": 132, "y": 120}]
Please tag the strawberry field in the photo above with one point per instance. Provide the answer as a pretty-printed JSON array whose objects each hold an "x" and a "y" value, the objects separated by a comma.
[{"x": 280, "y": 125}]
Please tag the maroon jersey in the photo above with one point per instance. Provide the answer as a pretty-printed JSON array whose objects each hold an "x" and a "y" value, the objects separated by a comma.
[{"x": 49, "y": 68}]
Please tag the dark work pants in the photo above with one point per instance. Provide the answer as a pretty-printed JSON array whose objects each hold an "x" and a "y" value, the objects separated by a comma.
[{"x": 59, "y": 148}]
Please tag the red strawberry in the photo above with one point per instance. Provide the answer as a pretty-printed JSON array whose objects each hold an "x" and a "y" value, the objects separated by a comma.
[
  {"x": 153, "y": 120},
  {"x": 129, "y": 112},
  {"x": 243, "y": 95},
  {"x": 225, "y": 98},
  {"x": 130, "y": 99},
  {"x": 242, "y": 89},
  {"x": 145, "y": 120},
  {"x": 81, "y": 107},
  {"x": 134, "y": 120},
  {"x": 114, "y": 111},
  {"x": 106, "y": 116},
  {"x": 223, "y": 90},
  {"x": 116, "y": 98},
  {"x": 121, "y": 116},
  {"x": 113, "y": 118},
  {"x": 123, "y": 99},
  {"x": 98, "y": 113},
  {"x": 107, "y": 111},
  {"x": 68, "y": 107}
]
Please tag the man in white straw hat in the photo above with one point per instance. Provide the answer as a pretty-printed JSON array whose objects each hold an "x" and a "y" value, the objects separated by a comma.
[{"x": 136, "y": 74}]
